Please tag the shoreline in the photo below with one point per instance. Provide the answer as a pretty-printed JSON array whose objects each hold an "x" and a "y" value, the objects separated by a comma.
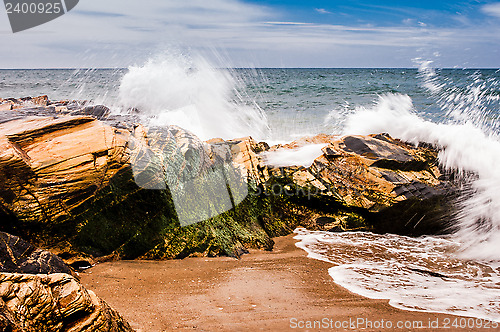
[{"x": 267, "y": 291}]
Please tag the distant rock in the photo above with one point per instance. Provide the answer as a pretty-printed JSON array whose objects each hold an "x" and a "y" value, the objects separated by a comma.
[
  {"x": 26, "y": 101},
  {"x": 99, "y": 112}
]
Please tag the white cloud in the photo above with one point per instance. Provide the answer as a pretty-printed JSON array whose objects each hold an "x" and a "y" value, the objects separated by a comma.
[
  {"x": 492, "y": 9},
  {"x": 322, "y": 11},
  {"x": 287, "y": 23},
  {"x": 408, "y": 21},
  {"x": 124, "y": 32}
]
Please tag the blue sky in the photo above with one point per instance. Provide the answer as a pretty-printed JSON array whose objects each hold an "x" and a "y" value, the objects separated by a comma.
[{"x": 262, "y": 33}]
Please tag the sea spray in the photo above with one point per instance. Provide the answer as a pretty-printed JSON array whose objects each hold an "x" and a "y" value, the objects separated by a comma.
[
  {"x": 94, "y": 85},
  {"x": 302, "y": 156},
  {"x": 475, "y": 100},
  {"x": 465, "y": 147},
  {"x": 175, "y": 89},
  {"x": 457, "y": 274}
]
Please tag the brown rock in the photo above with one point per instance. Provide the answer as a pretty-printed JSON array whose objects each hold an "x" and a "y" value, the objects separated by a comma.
[
  {"x": 375, "y": 172},
  {"x": 40, "y": 101},
  {"x": 369, "y": 172},
  {"x": 7, "y": 106},
  {"x": 371, "y": 182},
  {"x": 245, "y": 153},
  {"x": 50, "y": 166},
  {"x": 29, "y": 101},
  {"x": 55, "y": 302}
]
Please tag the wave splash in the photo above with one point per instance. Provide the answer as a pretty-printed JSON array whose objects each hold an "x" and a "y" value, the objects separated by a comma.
[
  {"x": 470, "y": 144},
  {"x": 174, "y": 89}
]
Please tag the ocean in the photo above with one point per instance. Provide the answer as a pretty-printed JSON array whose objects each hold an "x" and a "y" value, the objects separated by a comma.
[{"x": 455, "y": 109}]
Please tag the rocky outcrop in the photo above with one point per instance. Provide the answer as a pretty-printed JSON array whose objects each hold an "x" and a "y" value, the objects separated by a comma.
[
  {"x": 54, "y": 302},
  {"x": 87, "y": 184},
  {"x": 18, "y": 256},
  {"x": 39, "y": 292},
  {"x": 373, "y": 183},
  {"x": 84, "y": 187}
]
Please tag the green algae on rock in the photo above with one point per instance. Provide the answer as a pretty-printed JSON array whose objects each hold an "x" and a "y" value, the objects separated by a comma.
[{"x": 87, "y": 188}]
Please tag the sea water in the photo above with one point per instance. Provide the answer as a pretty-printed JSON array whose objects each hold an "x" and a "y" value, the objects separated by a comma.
[{"x": 455, "y": 109}]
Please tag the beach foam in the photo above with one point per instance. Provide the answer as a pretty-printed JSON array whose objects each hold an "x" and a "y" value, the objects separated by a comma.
[{"x": 405, "y": 270}]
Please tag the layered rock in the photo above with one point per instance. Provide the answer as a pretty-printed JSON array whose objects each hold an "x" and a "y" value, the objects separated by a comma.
[
  {"x": 39, "y": 292},
  {"x": 81, "y": 186},
  {"x": 87, "y": 184},
  {"x": 373, "y": 183},
  {"x": 54, "y": 302},
  {"x": 18, "y": 256}
]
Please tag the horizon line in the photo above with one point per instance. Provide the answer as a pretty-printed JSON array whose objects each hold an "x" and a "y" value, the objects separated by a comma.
[{"x": 124, "y": 68}]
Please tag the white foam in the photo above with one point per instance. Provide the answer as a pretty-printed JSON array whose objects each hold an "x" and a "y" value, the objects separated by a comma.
[
  {"x": 465, "y": 148},
  {"x": 301, "y": 156},
  {"x": 387, "y": 267},
  {"x": 189, "y": 92}
]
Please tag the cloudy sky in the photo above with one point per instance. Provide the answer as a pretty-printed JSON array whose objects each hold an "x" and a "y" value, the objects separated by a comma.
[{"x": 262, "y": 33}]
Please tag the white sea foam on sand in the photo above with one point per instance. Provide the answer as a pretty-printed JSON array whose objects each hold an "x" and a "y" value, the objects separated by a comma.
[{"x": 422, "y": 274}]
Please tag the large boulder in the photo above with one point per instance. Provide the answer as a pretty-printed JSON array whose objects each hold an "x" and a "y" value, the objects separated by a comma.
[
  {"x": 86, "y": 184},
  {"x": 53, "y": 302},
  {"x": 372, "y": 183},
  {"x": 39, "y": 292},
  {"x": 83, "y": 187}
]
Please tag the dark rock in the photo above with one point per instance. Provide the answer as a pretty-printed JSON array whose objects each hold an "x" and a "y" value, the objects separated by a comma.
[
  {"x": 99, "y": 112},
  {"x": 18, "y": 256},
  {"x": 321, "y": 221},
  {"x": 430, "y": 273}
]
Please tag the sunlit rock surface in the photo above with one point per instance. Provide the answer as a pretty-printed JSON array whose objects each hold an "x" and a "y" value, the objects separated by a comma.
[
  {"x": 39, "y": 292},
  {"x": 53, "y": 302},
  {"x": 89, "y": 185}
]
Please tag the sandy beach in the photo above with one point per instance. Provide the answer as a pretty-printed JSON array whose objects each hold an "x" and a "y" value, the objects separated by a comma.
[{"x": 282, "y": 290}]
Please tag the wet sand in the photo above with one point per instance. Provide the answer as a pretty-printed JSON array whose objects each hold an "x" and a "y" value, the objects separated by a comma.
[{"x": 282, "y": 290}]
